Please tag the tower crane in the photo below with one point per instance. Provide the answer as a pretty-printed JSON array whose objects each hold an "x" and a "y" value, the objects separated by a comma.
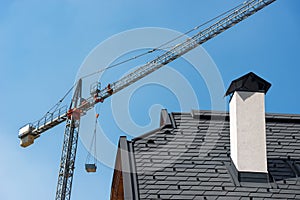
[{"x": 79, "y": 106}]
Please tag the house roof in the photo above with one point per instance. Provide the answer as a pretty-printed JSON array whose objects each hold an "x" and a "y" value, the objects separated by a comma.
[{"x": 188, "y": 157}]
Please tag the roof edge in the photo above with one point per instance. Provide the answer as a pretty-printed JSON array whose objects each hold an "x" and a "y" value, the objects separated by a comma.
[
  {"x": 210, "y": 114},
  {"x": 147, "y": 134},
  {"x": 117, "y": 189},
  {"x": 130, "y": 186},
  {"x": 165, "y": 118},
  {"x": 277, "y": 117},
  {"x": 166, "y": 121}
]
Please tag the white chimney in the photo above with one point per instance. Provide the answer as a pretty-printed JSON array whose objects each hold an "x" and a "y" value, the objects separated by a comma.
[{"x": 248, "y": 128}]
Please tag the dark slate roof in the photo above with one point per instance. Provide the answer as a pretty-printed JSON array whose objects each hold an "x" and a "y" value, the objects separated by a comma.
[{"x": 189, "y": 158}]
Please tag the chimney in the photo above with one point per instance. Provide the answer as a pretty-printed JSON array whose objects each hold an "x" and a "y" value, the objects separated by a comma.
[{"x": 248, "y": 128}]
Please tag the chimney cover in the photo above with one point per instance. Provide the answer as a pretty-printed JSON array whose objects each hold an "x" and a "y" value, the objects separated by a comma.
[{"x": 249, "y": 83}]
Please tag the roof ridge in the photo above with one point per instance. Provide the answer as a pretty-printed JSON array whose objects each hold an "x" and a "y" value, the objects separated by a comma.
[{"x": 268, "y": 114}]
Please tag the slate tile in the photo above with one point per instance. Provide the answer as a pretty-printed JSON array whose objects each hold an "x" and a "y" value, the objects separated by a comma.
[
  {"x": 182, "y": 197},
  {"x": 165, "y": 196},
  {"x": 152, "y": 196},
  {"x": 214, "y": 193},
  {"x": 284, "y": 196},
  {"x": 211, "y": 183},
  {"x": 177, "y": 178},
  {"x": 238, "y": 194},
  {"x": 156, "y": 187},
  {"x": 229, "y": 198},
  {"x": 294, "y": 187},
  {"x": 169, "y": 192},
  {"x": 185, "y": 187},
  {"x": 167, "y": 182},
  {"x": 190, "y": 183},
  {"x": 192, "y": 192},
  {"x": 144, "y": 196},
  {"x": 201, "y": 188},
  {"x": 245, "y": 189}
]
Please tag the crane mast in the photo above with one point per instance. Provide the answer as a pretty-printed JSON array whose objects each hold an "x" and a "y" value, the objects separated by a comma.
[
  {"x": 80, "y": 106},
  {"x": 67, "y": 161}
]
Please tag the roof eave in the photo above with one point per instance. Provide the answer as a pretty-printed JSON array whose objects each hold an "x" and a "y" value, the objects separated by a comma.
[{"x": 125, "y": 157}]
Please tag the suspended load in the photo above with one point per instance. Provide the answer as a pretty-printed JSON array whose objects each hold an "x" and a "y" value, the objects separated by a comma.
[{"x": 91, "y": 167}]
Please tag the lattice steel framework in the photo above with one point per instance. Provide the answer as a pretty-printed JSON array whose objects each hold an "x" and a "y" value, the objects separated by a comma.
[{"x": 67, "y": 161}]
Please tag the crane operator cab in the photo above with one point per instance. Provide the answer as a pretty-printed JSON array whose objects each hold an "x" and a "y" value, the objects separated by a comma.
[{"x": 95, "y": 88}]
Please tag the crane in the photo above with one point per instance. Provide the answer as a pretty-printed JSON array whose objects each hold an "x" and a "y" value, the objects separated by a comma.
[{"x": 79, "y": 106}]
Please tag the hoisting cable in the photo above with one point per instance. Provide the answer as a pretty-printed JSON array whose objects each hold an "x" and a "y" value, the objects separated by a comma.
[
  {"x": 56, "y": 106},
  {"x": 91, "y": 166},
  {"x": 160, "y": 47}
]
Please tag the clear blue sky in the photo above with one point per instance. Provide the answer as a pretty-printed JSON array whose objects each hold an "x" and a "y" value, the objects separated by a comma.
[{"x": 43, "y": 44}]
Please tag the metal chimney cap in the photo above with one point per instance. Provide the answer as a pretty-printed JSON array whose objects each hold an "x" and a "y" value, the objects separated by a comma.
[{"x": 249, "y": 83}]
